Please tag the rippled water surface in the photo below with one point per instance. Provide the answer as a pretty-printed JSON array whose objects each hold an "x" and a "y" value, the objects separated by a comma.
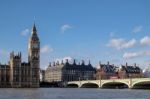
[{"x": 52, "y": 93}]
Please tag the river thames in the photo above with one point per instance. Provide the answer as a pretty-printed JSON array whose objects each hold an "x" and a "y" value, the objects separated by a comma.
[{"x": 63, "y": 93}]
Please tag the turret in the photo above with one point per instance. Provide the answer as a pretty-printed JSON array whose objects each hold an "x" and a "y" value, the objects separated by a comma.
[
  {"x": 74, "y": 62},
  {"x": 67, "y": 62},
  {"x": 89, "y": 63},
  {"x": 82, "y": 62}
]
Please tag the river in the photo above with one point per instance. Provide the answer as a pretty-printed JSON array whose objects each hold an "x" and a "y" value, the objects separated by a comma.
[{"x": 77, "y": 93}]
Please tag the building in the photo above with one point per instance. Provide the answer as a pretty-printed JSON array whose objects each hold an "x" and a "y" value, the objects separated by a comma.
[
  {"x": 18, "y": 74},
  {"x": 63, "y": 72},
  {"x": 129, "y": 71},
  {"x": 106, "y": 71}
]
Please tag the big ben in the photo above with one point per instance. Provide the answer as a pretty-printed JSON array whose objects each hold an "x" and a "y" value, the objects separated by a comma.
[{"x": 34, "y": 58}]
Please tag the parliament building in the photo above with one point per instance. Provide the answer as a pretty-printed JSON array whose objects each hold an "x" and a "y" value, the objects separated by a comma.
[{"x": 18, "y": 74}]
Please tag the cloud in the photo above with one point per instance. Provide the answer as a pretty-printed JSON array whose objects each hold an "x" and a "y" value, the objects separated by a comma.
[
  {"x": 137, "y": 29},
  {"x": 70, "y": 59},
  {"x": 46, "y": 49},
  {"x": 25, "y": 32},
  {"x": 65, "y": 27},
  {"x": 129, "y": 55},
  {"x": 121, "y": 43},
  {"x": 145, "y": 40},
  {"x": 3, "y": 52}
]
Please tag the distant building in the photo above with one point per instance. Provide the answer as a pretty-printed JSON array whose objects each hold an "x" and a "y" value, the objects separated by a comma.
[
  {"x": 130, "y": 71},
  {"x": 4, "y": 75},
  {"x": 18, "y": 74},
  {"x": 63, "y": 72},
  {"x": 106, "y": 71}
]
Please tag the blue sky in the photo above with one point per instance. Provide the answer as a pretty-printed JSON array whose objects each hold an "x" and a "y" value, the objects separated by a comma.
[{"x": 100, "y": 30}]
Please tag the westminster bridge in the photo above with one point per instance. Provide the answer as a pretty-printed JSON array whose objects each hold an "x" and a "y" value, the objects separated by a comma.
[{"x": 133, "y": 83}]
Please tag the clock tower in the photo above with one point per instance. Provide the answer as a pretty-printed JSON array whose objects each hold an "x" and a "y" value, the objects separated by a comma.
[{"x": 34, "y": 58}]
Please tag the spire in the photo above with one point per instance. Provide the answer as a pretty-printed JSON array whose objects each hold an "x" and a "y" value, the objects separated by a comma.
[
  {"x": 74, "y": 62},
  {"x": 62, "y": 63},
  {"x": 89, "y": 63},
  {"x": 34, "y": 35},
  {"x": 34, "y": 28},
  {"x": 99, "y": 63}
]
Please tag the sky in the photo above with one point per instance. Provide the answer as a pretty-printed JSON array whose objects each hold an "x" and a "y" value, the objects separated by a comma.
[{"x": 97, "y": 30}]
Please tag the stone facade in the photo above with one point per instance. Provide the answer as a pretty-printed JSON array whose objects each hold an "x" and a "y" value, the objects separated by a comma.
[
  {"x": 18, "y": 74},
  {"x": 63, "y": 72}
]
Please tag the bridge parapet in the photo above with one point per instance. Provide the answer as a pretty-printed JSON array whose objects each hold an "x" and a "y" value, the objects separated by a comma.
[{"x": 129, "y": 82}]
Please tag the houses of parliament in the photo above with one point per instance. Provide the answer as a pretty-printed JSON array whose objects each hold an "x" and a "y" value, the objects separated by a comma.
[{"x": 18, "y": 74}]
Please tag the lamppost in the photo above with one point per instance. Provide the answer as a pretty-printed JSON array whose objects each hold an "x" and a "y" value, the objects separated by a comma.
[
  {"x": 100, "y": 79},
  {"x": 80, "y": 80},
  {"x": 130, "y": 80}
]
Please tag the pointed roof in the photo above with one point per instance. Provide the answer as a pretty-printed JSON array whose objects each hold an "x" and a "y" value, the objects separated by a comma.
[
  {"x": 89, "y": 63},
  {"x": 34, "y": 28},
  {"x": 34, "y": 35}
]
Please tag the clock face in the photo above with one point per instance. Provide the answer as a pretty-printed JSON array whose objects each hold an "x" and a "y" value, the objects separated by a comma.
[{"x": 35, "y": 45}]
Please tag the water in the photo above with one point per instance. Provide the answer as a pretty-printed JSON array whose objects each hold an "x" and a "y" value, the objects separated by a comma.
[{"x": 52, "y": 93}]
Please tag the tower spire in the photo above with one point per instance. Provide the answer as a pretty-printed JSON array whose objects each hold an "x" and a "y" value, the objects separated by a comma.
[{"x": 34, "y": 28}]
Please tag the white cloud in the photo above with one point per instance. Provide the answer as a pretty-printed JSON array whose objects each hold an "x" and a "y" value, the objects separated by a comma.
[
  {"x": 3, "y": 52},
  {"x": 145, "y": 40},
  {"x": 129, "y": 55},
  {"x": 46, "y": 49},
  {"x": 137, "y": 29},
  {"x": 65, "y": 27},
  {"x": 121, "y": 43},
  {"x": 70, "y": 59},
  {"x": 25, "y": 32}
]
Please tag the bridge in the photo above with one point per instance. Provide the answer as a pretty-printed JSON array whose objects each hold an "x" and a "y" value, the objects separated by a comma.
[{"x": 133, "y": 83}]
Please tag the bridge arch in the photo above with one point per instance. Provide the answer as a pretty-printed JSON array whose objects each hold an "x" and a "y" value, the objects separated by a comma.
[
  {"x": 89, "y": 85},
  {"x": 72, "y": 85},
  {"x": 141, "y": 85},
  {"x": 112, "y": 84}
]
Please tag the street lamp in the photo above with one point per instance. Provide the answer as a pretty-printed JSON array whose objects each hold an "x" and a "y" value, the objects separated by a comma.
[{"x": 100, "y": 79}]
